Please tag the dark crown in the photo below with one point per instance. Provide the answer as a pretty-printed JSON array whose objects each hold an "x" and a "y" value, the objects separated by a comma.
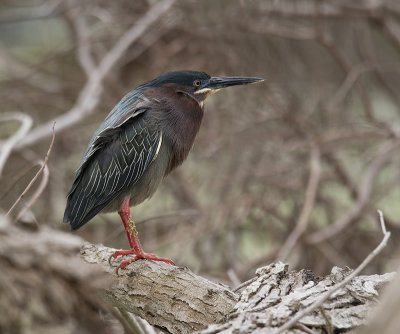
[{"x": 185, "y": 78}]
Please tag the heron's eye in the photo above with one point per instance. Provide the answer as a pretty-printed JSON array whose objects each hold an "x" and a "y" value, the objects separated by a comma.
[{"x": 197, "y": 83}]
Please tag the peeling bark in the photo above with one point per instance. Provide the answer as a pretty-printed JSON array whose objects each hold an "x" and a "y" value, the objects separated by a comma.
[
  {"x": 179, "y": 301},
  {"x": 167, "y": 296},
  {"x": 46, "y": 288},
  {"x": 277, "y": 294}
]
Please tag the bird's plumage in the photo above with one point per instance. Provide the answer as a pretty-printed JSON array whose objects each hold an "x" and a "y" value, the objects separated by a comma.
[
  {"x": 144, "y": 137},
  {"x": 126, "y": 143},
  {"x": 118, "y": 158}
]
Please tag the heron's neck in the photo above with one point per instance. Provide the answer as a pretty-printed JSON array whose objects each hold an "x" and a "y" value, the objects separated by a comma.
[
  {"x": 179, "y": 117},
  {"x": 182, "y": 123}
]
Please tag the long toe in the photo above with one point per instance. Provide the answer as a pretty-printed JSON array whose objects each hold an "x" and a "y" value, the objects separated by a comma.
[
  {"x": 136, "y": 256},
  {"x": 119, "y": 253},
  {"x": 124, "y": 263},
  {"x": 124, "y": 252},
  {"x": 150, "y": 256}
]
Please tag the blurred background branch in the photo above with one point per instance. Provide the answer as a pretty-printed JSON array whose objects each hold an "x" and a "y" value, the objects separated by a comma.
[
  {"x": 6, "y": 146},
  {"x": 89, "y": 95},
  {"x": 294, "y": 168}
]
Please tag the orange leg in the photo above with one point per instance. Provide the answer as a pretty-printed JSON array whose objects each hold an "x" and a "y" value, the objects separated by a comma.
[{"x": 134, "y": 243}]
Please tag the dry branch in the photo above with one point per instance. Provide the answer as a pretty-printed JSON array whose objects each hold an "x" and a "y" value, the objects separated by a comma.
[
  {"x": 322, "y": 299},
  {"x": 29, "y": 186},
  {"x": 178, "y": 301},
  {"x": 277, "y": 294},
  {"x": 166, "y": 296},
  {"x": 42, "y": 186}
]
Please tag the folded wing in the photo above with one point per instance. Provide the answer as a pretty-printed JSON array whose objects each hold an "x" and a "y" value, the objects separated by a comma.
[{"x": 115, "y": 160}]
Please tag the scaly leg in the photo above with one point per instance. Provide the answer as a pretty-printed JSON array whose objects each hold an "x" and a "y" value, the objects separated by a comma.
[{"x": 134, "y": 243}]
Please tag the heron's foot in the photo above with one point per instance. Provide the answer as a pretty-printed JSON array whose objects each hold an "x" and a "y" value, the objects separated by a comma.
[{"x": 136, "y": 256}]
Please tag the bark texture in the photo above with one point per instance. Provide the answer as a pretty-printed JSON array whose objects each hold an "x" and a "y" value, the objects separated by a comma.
[
  {"x": 179, "y": 301},
  {"x": 45, "y": 287},
  {"x": 277, "y": 294},
  {"x": 169, "y": 297}
]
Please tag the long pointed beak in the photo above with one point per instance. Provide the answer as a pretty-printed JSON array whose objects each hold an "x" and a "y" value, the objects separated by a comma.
[{"x": 220, "y": 82}]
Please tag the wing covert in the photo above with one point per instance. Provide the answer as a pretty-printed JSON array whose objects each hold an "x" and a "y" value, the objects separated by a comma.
[
  {"x": 131, "y": 105},
  {"x": 120, "y": 157}
]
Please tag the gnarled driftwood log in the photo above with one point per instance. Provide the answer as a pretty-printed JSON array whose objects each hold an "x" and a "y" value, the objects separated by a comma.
[
  {"x": 167, "y": 296},
  {"x": 179, "y": 301}
]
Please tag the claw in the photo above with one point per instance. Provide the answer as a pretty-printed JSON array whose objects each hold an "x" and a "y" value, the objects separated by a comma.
[
  {"x": 124, "y": 263},
  {"x": 109, "y": 259},
  {"x": 117, "y": 270}
]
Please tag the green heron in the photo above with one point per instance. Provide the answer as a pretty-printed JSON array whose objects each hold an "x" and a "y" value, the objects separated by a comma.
[{"x": 145, "y": 136}]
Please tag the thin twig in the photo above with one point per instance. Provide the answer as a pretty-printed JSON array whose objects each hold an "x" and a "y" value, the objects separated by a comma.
[
  {"x": 37, "y": 193},
  {"x": 16, "y": 179},
  {"x": 7, "y": 146},
  {"x": 347, "y": 280},
  {"x": 311, "y": 192},
  {"x": 351, "y": 78},
  {"x": 364, "y": 193},
  {"x": 328, "y": 43},
  {"x": 244, "y": 284},
  {"x": 29, "y": 186},
  {"x": 329, "y": 326}
]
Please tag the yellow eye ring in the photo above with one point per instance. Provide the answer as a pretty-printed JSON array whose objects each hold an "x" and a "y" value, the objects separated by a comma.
[{"x": 197, "y": 83}]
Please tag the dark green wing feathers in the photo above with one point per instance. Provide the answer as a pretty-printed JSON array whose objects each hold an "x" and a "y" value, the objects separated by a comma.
[{"x": 113, "y": 162}]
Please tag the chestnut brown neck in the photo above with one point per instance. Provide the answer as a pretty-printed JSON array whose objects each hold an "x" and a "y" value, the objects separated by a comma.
[{"x": 179, "y": 118}]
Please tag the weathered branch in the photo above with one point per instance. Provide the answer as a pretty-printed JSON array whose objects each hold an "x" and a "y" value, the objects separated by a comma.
[
  {"x": 277, "y": 294},
  {"x": 323, "y": 298},
  {"x": 166, "y": 296},
  {"x": 179, "y": 301}
]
